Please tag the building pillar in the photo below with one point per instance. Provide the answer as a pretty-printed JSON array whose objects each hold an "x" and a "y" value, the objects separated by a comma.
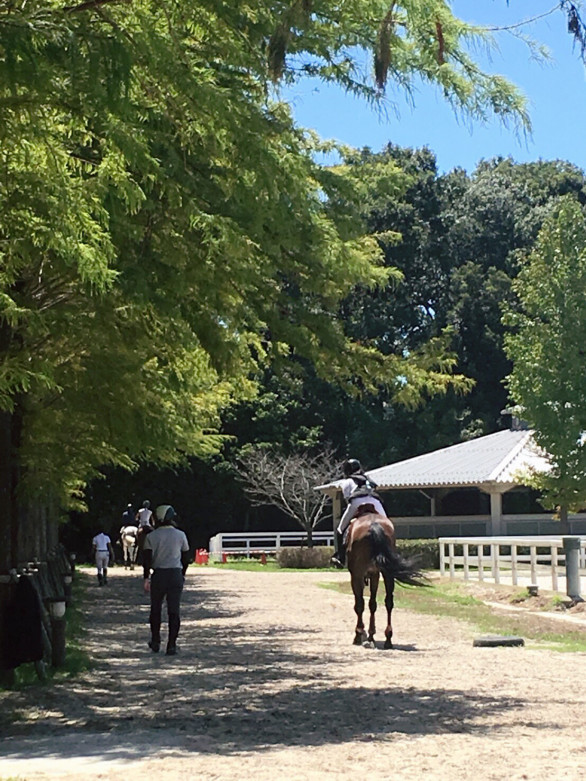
[
  {"x": 496, "y": 514},
  {"x": 337, "y": 508}
]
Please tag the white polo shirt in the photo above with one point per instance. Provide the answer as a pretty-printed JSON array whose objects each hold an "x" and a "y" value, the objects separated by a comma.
[{"x": 101, "y": 541}]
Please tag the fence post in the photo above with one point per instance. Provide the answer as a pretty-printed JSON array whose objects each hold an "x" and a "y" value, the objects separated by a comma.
[
  {"x": 572, "y": 551},
  {"x": 465, "y": 550},
  {"x": 58, "y": 627},
  {"x": 554, "y": 567},
  {"x": 514, "y": 573}
]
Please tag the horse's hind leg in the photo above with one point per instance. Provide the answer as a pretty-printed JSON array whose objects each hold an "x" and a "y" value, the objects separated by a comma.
[
  {"x": 389, "y": 604},
  {"x": 358, "y": 589},
  {"x": 374, "y": 580}
]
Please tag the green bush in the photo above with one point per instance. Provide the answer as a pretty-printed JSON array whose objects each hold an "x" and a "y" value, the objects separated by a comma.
[
  {"x": 305, "y": 558},
  {"x": 426, "y": 552}
]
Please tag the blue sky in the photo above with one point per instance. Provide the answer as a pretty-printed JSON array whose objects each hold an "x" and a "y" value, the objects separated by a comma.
[{"x": 556, "y": 92}]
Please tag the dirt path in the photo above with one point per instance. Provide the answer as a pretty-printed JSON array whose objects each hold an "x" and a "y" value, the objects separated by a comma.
[{"x": 268, "y": 686}]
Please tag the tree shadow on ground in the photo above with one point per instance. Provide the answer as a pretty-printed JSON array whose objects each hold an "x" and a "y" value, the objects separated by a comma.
[{"x": 237, "y": 685}]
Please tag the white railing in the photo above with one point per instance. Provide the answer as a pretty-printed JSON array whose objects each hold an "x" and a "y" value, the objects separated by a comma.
[
  {"x": 513, "y": 525},
  {"x": 507, "y": 558},
  {"x": 255, "y": 543}
]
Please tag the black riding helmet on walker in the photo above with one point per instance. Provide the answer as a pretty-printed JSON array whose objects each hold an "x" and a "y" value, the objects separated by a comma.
[{"x": 165, "y": 514}]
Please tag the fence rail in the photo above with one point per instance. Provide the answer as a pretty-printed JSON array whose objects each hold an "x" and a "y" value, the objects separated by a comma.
[
  {"x": 255, "y": 543},
  {"x": 511, "y": 558}
]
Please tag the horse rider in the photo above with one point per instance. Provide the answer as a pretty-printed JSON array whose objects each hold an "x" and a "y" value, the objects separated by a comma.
[
  {"x": 104, "y": 553},
  {"x": 128, "y": 516},
  {"x": 144, "y": 519},
  {"x": 358, "y": 490},
  {"x": 166, "y": 553},
  {"x": 144, "y": 515}
]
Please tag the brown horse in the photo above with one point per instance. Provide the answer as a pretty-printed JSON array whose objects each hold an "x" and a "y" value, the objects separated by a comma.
[
  {"x": 372, "y": 552},
  {"x": 143, "y": 533}
]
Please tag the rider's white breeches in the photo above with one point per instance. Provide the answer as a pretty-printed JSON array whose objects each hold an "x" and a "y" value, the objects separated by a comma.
[
  {"x": 102, "y": 558},
  {"x": 354, "y": 504}
]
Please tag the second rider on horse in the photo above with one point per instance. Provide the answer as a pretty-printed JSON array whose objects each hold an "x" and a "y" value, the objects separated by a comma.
[{"x": 358, "y": 490}]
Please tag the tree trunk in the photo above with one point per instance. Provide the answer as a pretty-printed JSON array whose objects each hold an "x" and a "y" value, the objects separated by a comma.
[
  {"x": 564, "y": 524},
  {"x": 309, "y": 530},
  {"x": 10, "y": 434}
]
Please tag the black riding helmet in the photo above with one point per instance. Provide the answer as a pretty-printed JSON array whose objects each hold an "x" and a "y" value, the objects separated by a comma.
[
  {"x": 351, "y": 467},
  {"x": 165, "y": 513}
]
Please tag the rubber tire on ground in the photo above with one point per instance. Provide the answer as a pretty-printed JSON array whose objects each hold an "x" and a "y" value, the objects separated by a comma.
[{"x": 492, "y": 641}]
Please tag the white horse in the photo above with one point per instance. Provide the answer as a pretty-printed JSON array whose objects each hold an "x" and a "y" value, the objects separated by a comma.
[{"x": 128, "y": 536}]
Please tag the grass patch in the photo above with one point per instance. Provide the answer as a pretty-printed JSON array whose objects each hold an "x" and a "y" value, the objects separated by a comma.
[
  {"x": 251, "y": 565},
  {"x": 450, "y": 600}
]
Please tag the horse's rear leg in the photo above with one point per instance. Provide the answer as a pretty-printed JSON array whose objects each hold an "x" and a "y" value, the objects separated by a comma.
[
  {"x": 374, "y": 580},
  {"x": 389, "y": 604},
  {"x": 358, "y": 589}
]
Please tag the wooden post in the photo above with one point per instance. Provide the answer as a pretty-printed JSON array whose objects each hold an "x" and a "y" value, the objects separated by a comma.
[
  {"x": 572, "y": 551},
  {"x": 533, "y": 552},
  {"x": 336, "y": 515},
  {"x": 496, "y": 513},
  {"x": 481, "y": 561},
  {"x": 554, "y": 567}
]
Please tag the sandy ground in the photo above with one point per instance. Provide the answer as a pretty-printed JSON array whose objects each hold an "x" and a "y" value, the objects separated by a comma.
[{"x": 268, "y": 685}]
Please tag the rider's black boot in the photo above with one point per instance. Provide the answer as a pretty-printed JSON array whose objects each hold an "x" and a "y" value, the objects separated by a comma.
[
  {"x": 100, "y": 579},
  {"x": 339, "y": 557}
]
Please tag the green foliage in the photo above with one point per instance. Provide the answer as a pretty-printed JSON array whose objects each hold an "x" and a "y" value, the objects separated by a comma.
[
  {"x": 317, "y": 557},
  {"x": 546, "y": 345},
  {"x": 425, "y": 551},
  {"x": 165, "y": 230}
]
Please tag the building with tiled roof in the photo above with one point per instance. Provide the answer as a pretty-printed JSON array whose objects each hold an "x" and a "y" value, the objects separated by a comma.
[{"x": 493, "y": 464}]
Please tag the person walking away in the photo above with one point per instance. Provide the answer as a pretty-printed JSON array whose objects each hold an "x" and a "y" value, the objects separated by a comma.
[
  {"x": 129, "y": 516},
  {"x": 144, "y": 515},
  {"x": 166, "y": 554},
  {"x": 104, "y": 554},
  {"x": 144, "y": 519},
  {"x": 358, "y": 490}
]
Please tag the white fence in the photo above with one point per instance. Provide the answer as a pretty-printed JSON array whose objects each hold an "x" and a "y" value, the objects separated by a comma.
[
  {"x": 514, "y": 560},
  {"x": 255, "y": 543}
]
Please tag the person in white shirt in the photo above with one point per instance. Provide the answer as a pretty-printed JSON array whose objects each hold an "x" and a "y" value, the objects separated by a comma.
[
  {"x": 166, "y": 553},
  {"x": 358, "y": 490},
  {"x": 144, "y": 515},
  {"x": 104, "y": 554}
]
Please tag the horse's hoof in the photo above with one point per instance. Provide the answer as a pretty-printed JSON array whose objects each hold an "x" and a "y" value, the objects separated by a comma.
[
  {"x": 388, "y": 644},
  {"x": 368, "y": 644}
]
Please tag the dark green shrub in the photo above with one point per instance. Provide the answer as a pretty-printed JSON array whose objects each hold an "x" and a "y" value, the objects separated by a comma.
[
  {"x": 305, "y": 558},
  {"x": 426, "y": 552}
]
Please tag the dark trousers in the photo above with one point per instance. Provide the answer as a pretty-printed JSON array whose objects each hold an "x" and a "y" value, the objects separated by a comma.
[{"x": 166, "y": 583}]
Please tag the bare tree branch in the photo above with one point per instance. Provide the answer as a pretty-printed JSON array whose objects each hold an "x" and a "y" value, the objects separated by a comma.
[{"x": 287, "y": 482}]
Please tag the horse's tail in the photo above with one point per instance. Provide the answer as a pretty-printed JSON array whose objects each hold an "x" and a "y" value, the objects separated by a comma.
[{"x": 390, "y": 562}]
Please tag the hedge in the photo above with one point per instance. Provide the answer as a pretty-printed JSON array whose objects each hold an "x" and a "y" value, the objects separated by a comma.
[
  {"x": 317, "y": 557},
  {"x": 425, "y": 551}
]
